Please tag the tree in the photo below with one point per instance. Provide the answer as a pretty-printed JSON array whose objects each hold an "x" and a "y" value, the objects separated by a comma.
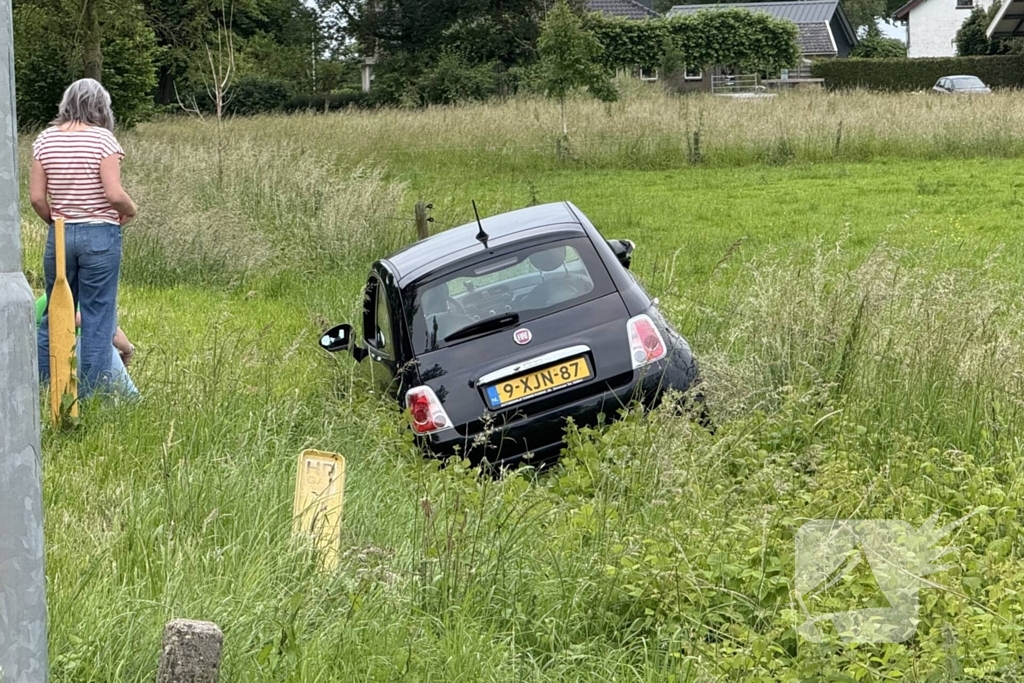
[
  {"x": 971, "y": 38},
  {"x": 569, "y": 55},
  {"x": 417, "y": 39},
  {"x": 49, "y": 54},
  {"x": 218, "y": 75},
  {"x": 92, "y": 43},
  {"x": 861, "y": 13},
  {"x": 275, "y": 39},
  {"x": 876, "y": 46}
]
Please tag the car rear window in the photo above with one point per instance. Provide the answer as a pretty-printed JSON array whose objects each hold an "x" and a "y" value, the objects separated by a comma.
[{"x": 531, "y": 281}]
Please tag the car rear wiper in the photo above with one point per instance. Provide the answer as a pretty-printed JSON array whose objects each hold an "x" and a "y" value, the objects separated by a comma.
[{"x": 485, "y": 325}]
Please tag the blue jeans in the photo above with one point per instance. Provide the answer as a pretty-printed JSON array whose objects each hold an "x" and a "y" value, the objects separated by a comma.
[
  {"x": 93, "y": 261},
  {"x": 122, "y": 380}
]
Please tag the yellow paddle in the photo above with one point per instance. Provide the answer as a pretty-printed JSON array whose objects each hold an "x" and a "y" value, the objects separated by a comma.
[{"x": 63, "y": 381}]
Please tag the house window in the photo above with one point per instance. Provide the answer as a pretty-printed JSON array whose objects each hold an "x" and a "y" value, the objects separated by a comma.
[
  {"x": 964, "y": 4},
  {"x": 692, "y": 73},
  {"x": 648, "y": 75}
]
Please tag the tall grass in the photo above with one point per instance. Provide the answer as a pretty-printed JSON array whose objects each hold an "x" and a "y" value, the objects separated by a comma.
[
  {"x": 654, "y": 550},
  {"x": 647, "y": 129},
  {"x": 846, "y": 382},
  {"x": 932, "y": 355}
]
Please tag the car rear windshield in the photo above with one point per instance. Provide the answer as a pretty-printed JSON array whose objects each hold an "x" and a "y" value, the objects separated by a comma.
[{"x": 528, "y": 282}]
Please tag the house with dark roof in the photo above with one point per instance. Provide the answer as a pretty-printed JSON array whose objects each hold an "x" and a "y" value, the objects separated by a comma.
[
  {"x": 627, "y": 9},
  {"x": 823, "y": 32}
]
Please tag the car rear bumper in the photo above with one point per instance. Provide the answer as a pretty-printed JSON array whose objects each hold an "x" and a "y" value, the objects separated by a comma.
[{"x": 541, "y": 435}]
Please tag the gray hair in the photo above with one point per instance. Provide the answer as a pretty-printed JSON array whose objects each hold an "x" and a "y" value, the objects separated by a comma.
[{"x": 86, "y": 101}]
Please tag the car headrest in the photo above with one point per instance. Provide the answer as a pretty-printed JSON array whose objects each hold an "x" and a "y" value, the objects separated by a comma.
[
  {"x": 549, "y": 259},
  {"x": 435, "y": 300}
]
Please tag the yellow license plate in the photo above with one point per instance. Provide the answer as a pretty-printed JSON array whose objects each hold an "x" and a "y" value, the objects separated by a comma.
[{"x": 538, "y": 382}]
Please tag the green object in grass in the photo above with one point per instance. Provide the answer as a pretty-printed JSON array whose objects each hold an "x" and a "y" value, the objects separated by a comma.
[{"x": 41, "y": 309}]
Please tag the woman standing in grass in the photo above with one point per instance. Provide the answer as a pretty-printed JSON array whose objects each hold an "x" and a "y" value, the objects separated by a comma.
[{"x": 76, "y": 175}]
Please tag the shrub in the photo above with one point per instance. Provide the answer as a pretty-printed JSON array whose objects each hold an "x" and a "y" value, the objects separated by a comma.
[
  {"x": 876, "y": 46},
  {"x": 454, "y": 80},
  {"x": 252, "y": 95},
  {"x": 1002, "y": 71},
  {"x": 526, "y": 80},
  {"x": 326, "y": 101}
]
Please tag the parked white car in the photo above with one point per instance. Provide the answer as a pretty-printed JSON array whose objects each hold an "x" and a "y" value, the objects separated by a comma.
[{"x": 961, "y": 85}]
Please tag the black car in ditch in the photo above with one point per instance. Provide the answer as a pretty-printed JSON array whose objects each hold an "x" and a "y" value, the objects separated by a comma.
[{"x": 493, "y": 333}]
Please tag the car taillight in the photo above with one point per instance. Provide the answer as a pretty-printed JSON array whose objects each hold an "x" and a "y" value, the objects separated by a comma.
[
  {"x": 427, "y": 412},
  {"x": 645, "y": 342}
]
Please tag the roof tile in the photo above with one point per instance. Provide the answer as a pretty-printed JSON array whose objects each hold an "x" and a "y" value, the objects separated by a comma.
[
  {"x": 629, "y": 9},
  {"x": 815, "y": 39},
  {"x": 801, "y": 12}
]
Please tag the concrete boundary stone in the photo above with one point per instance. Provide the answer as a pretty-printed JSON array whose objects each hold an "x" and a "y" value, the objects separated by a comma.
[{"x": 191, "y": 652}]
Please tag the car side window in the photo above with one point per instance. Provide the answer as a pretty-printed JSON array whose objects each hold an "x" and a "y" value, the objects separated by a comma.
[
  {"x": 383, "y": 322},
  {"x": 377, "y": 328}
]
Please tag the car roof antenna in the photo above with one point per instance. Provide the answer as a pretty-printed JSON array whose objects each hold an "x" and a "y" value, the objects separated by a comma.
[{"x": 482, "y": 236}]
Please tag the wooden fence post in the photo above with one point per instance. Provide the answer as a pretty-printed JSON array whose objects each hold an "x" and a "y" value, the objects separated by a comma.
[
  {"x": 422, "y": 227},
  {"x": 191, "y": 652}
]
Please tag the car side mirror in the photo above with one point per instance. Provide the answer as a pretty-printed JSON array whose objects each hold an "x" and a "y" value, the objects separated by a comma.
[
  {"x": 623, "y": 250},
  {"x": 338, "y": 338}
]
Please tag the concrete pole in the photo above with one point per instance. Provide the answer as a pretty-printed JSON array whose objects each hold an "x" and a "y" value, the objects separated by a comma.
[{"x": 22, "y": 580}]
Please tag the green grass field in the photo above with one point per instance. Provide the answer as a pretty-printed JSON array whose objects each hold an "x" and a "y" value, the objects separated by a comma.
[{"x": 858, "y": 315}]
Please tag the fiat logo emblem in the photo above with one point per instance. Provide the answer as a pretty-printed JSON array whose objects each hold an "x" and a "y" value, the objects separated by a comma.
[{"x": 522, "y": 336}]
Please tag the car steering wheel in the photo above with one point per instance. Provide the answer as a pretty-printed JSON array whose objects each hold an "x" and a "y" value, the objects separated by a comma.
[{"x": 459, "y": 308}]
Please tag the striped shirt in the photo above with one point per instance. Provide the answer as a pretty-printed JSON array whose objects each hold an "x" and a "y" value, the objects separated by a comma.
[{"x": 71, "y": 160}]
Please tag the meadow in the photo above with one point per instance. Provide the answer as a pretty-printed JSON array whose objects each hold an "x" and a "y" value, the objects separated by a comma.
[{"x": 847, "y": 268}]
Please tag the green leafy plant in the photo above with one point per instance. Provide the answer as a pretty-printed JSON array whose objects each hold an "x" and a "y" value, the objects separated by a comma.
[
  {"x": 251, "y": 95},
  {"x": 48, "y": 59},
  {"x": 972, "y": 38},
  {"x": 736, "y": 37},
  {"x": 874, "y": 45},
  {"x": 569, "y": 55},
  {"x": 455, "y": 80}
]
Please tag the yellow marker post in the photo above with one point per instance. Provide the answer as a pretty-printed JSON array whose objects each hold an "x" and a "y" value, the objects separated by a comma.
[
  {"x": 319, "y": 495},
  {"x": 61, "y": 316}
]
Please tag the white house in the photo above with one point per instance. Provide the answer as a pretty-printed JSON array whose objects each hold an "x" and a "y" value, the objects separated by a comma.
[{"x": 932, "y": 25}]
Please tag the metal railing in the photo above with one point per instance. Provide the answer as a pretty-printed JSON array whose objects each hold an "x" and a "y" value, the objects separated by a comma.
[{"x": 736, "y": 84}]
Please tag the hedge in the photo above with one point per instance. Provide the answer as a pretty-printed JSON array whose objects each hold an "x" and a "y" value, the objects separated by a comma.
[
  {"x": 252, "y": 95},
  {"x": 735, "y": 37},
  {"x": 1000, "y": 71},
  {"x": 326, "y": 101}
]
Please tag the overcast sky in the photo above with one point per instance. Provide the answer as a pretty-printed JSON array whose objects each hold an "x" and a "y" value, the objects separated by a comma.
[{"x": 897, "y": 30}]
